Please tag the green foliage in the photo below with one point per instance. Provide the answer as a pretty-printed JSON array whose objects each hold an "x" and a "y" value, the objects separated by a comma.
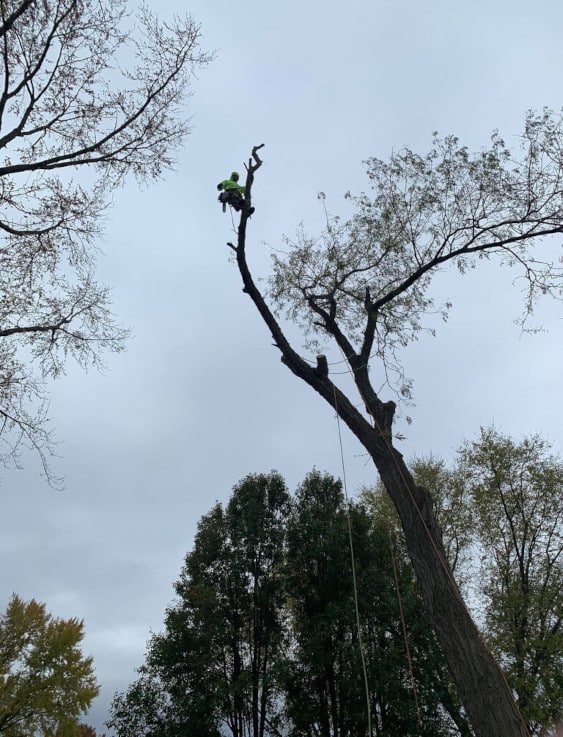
[
  {"x": 86, "y": 731},
  {"x": 45, "y": 681},
  {"x": 142, "y": 711},
  {"x": 214, "y": 664},
  {"x": 506, "y": 500},
  {"x": 323, "y": 676},
  {"x": 263, "y": 637},
  {"x": 451, "y": 497}
]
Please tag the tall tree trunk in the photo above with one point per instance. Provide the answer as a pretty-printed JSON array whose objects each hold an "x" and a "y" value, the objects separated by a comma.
[{"x": 482, "y": 687}]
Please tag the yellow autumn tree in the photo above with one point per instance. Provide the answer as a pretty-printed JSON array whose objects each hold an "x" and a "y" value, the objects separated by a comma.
[{"x": 46, "y": 683}]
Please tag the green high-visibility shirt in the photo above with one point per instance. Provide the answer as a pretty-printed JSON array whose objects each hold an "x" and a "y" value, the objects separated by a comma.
[{"x": 231, "y": 184}]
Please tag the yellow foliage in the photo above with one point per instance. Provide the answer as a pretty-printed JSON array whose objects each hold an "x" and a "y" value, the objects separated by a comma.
[{"x": 45, "y": 681}]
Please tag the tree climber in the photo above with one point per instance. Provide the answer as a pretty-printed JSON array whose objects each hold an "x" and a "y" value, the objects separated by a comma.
[{"x": 232, "y": 193}]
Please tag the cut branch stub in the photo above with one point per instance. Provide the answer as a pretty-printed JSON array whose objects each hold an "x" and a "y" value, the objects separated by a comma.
[{"x": 322, "y": 367}]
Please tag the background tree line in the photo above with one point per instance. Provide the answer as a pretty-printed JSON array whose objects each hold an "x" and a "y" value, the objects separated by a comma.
[{"x": 262, "y": 639}]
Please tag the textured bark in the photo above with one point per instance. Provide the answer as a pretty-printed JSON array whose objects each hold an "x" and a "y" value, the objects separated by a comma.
[
  {"x": 481, "y": 685},
  {"x": 479, "y": 680}
]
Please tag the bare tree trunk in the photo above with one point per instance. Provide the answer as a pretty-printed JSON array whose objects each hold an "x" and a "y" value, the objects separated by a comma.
[{"x": 481, "y": 685}]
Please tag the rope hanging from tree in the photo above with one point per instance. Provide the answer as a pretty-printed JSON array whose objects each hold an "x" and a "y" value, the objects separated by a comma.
[{"x": 321, "y": 361}]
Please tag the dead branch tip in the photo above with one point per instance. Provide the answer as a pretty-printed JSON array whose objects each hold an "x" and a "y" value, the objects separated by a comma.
[{"x": 255, "y": 156}]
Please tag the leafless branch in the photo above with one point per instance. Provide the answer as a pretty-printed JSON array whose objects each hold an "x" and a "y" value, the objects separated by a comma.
[{"x": 62, "y": 108}]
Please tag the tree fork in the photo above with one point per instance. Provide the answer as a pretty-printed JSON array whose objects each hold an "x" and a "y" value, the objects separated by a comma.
[{"x": 481, "y": 684}]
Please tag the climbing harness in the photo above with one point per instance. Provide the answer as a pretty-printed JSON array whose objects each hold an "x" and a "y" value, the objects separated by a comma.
[{"x": 355, "y": 587}]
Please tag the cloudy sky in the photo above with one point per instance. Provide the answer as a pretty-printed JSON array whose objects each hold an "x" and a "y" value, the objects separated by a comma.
[{"x": 200, "y": 398}]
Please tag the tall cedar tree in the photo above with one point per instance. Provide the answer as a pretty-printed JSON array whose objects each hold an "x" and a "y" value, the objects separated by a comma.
[{"x": 214, "y": 663}]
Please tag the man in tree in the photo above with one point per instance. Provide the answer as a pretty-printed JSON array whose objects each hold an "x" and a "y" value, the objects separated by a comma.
[
  {"x": 45, "y": 681},
  {"x": 232, "y": 193},
  {"x": 364, "y": 285}
]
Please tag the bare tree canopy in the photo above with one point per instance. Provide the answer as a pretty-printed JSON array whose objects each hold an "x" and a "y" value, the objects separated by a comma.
[
  {"x": 81, "y": 85},
  {"x": 364, "y": 285}
]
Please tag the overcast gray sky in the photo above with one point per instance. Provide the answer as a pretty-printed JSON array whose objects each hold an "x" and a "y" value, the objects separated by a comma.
[{"x": 200, "y": 398}]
